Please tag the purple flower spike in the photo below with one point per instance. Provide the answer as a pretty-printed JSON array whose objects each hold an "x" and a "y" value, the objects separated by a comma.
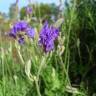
[
  {"x": 47, "y": 37},
  {"x": 20, "y": 29},
  {"x": 20, "y": 26},
  {"x": 28, "y": 10}
]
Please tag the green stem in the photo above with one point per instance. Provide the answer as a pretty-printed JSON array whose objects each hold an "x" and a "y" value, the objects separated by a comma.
[
  {"x": 37, "y": 87},
  {"x": 2, "y": 55},
  {"x": 67, "y": 45}
]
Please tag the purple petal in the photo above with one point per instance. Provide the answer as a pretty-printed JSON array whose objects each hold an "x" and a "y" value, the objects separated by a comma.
[
  {"x": 50, "y": 46},
  {"x": 30, "y": 32},
  {"x": 28, "y": 10},
  {"x": 21, "y": 40},
  {"x": 23, "y": 25}
]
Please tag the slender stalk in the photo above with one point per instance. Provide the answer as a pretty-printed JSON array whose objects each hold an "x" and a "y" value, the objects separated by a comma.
[
  {"x": 38, "y": 74},
  {"x": 67, "y": 45},
  {"x": 3, "y": 73},
  {"x": 37, "y": 87}
]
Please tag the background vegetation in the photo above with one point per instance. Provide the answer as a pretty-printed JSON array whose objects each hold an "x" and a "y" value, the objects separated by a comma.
[{"x": 67, "y": 71}]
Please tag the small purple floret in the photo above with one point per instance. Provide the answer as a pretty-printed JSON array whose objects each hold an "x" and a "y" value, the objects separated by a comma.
[
  {"x": 30, "y": 32},
  {"x": 21, "y": 40},
  {"x": 28, "y": 9}
]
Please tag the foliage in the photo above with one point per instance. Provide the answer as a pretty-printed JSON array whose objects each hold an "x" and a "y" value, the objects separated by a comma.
[
  {"x": 42, "y": 11},
  {"x": 82, "y": 43},
  {"x": 68, "y": 70}
]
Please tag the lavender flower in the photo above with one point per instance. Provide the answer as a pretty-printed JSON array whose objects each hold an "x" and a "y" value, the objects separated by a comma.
[
  {"x": 20, "y": 29},
  {"x": 28, "y": 9},
  {"x": 30, "y": 32},
  {"x": 47, "y": 37},
  {"x": 21, "y": 40}
]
